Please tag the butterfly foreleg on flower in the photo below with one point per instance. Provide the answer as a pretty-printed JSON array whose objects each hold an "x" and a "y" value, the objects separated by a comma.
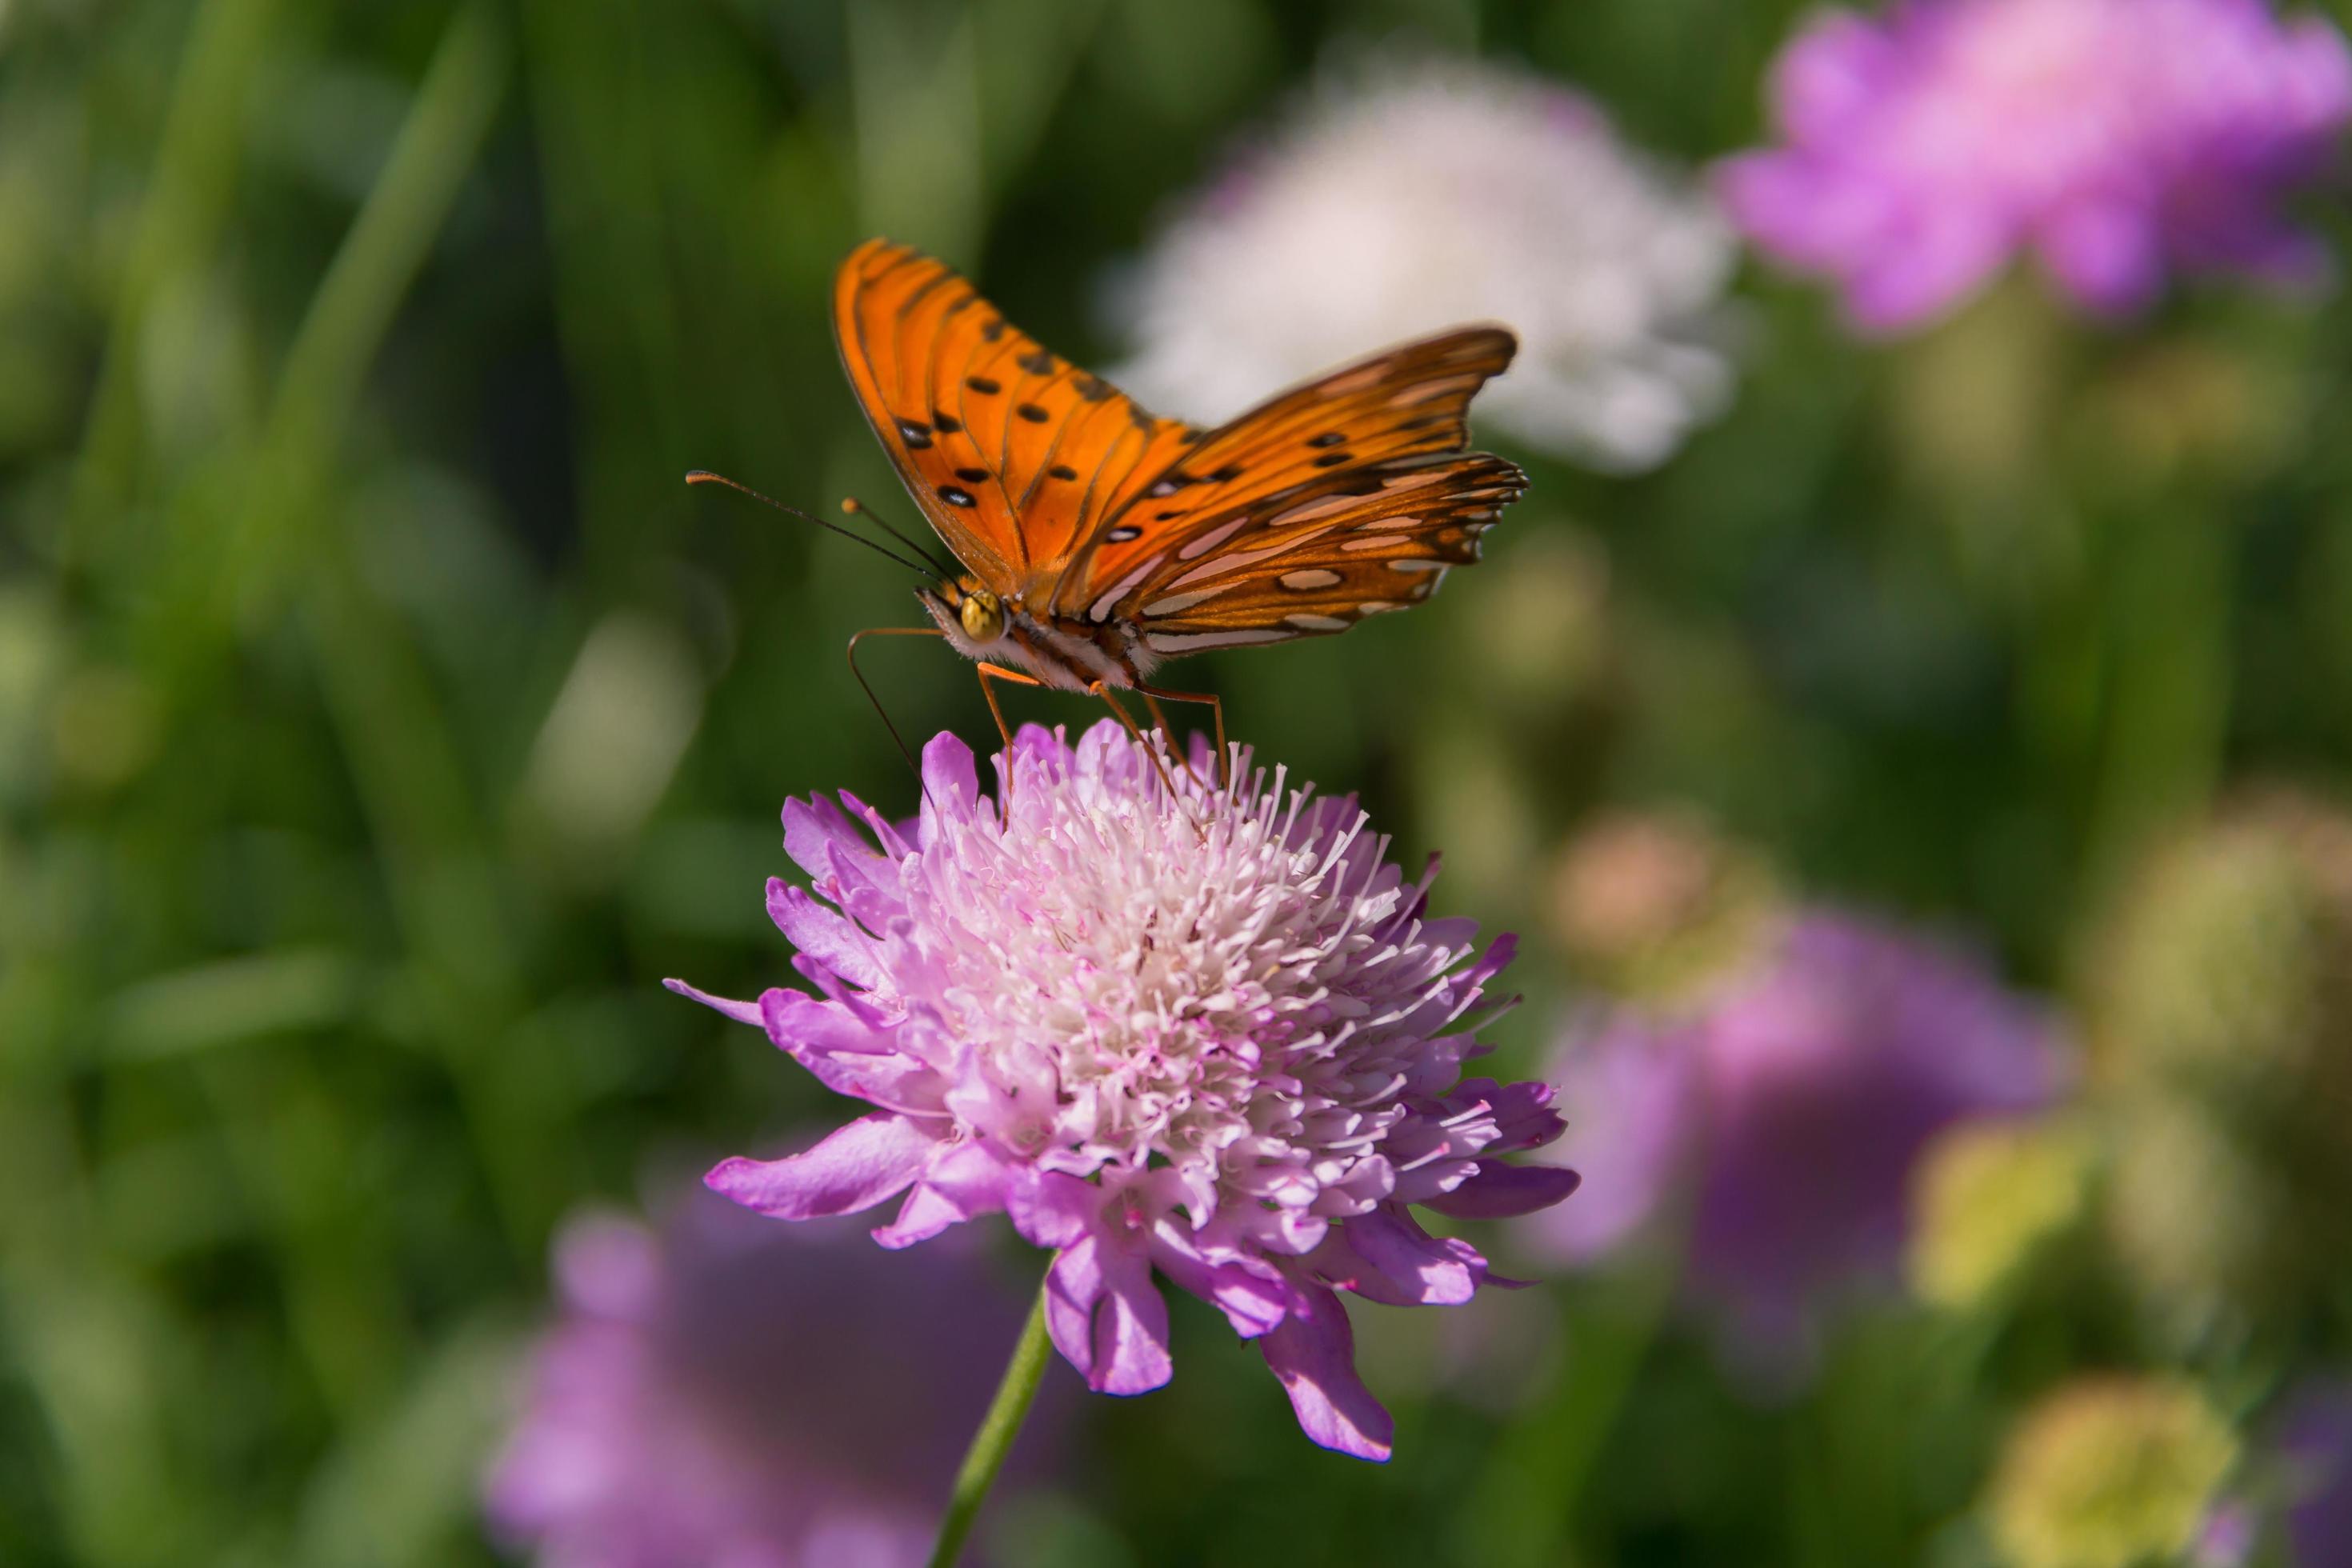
[{"x": 1153, "y": 697}]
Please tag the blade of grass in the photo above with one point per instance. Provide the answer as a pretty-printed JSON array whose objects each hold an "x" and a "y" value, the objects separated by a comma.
[{"x": 180, "y": 218}]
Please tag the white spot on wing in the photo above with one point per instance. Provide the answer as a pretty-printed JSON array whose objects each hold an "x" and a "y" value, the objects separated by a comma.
[
  {"x": 1309, "y": 577},
  {"x": 1175, "y": 602},
  {"x": 1429, "y": 389},
  {"x": 1417, "y": 564},
  {"x": 1307, "y": 623},
  {"x": 1185, "y": 642},
  {"x": 1380, "y": 542},
  {"x": 1235, "y": 560},
  {"x": 1308, "y": 512},
  {"x": 1100, "y": 609},
  {"x": 1212, "y": 539}
]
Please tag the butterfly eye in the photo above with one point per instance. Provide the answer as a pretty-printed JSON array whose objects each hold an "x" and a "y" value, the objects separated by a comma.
[{"x": 983, "y": 614}]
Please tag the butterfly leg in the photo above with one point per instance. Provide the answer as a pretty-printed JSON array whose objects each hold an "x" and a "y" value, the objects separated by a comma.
[
  {"x": 989, "y": 672},
  {"x": 1216, "y": 708},
  {"x": 1152, "y": 706},
  {"x": 859, "y": 676},
  {"x": 1102, "y": 689},
  {"x": 996, "y": 672}
]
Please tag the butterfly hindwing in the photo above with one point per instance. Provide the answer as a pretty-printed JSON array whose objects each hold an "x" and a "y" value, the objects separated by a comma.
[
  {"x": 1343, "y": 498},
  {"x": 1013, "y": 453},
  {"x": 1381, "y": 541}
]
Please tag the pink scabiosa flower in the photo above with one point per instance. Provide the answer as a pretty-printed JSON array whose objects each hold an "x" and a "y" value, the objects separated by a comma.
[
  {"x": 1783, "y": 1109},
  {"x": 1208, "y": 1036},
  {"x": 2113, "y": 138},
  {"x": 719, "y": 1391}
]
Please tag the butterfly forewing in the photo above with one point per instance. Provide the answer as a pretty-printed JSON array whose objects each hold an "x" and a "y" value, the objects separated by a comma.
[{"x": 1013, "y": 453}]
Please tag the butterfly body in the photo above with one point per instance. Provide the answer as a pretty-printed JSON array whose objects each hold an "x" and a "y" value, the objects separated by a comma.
[
  {"x": 1099, "y": 539},
  {"x": 1054, "y": 651}
]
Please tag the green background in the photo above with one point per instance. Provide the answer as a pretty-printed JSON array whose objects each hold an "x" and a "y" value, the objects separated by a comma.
[{"x": 350, "y": 359}]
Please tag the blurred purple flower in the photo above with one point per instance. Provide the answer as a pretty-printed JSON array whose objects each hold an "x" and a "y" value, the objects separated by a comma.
[
  {"x": 722, "y": 1392},
  {"x": 2115, "y": 139},
  {"x": 1785, "y": 1107},
  {"x": 2314, "y": 1438},
  {"x": 1210, "y": 1035}
]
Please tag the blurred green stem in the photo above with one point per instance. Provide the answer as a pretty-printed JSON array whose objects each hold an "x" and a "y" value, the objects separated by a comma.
[
  {"x": 994, "y": 1439},
  {"x": 188, "y": 195},
  {"x": 391, "y": 726},
  {"x": 2167, "y": 579},
  {"x": 1528, "y": 1499},
  {"x": 320, "y": 383}
]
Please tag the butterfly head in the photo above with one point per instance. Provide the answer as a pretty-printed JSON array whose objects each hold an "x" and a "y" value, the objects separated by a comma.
[
  {"x": 973, "y": 617},
  {"x": 983, "y": 614}
]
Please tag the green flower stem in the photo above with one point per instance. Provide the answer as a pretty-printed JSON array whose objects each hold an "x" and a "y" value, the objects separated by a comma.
[{"x": 997, "y": 1431}]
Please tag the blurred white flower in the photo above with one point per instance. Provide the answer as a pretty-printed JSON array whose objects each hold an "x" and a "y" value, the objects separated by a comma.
[{"x": 1399, "y": 201}]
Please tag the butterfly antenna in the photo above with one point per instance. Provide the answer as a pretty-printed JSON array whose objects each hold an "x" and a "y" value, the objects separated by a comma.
[
  {"x": 856, "y": 507},
  {"x": 919, "y": 566}
]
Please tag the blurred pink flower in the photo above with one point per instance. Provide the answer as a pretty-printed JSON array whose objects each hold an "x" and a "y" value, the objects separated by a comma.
[
  {"x": 1786, "y": 1108},
  {"x": 718, "y": 1390},
  {"x": 2115, "y": 139},
  {"x": 1210, "y": 1035},
  {"x": 2314, "y": 1439}
]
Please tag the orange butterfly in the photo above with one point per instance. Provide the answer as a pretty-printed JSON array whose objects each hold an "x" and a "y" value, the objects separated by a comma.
[{"x": 1098, "y": 541}]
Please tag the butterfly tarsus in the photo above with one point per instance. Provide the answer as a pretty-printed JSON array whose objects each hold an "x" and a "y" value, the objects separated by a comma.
[
  {"x": 994, "y": 672},
  {"x": 1102, "y": 689},
  {"x": 1216, "y": 708}
]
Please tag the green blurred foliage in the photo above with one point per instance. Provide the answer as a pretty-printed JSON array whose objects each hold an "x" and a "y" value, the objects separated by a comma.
[{"x": 381, "y": 719}]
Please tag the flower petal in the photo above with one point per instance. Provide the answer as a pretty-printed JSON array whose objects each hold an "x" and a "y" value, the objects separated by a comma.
[
  {"x": 1314, "y": 1355},
  {"x": 824, "y": 934},
  {"x": 1106, "y": 1318},
  {"x": 854, "y": 1168},
  {"x": 741, "y": 1012},
  {"x": 966, "y": 1180},
  {"x": 951, "y": 783},
  {"x": 813, "y": 828},
  {"x": 846, "y": 1056},
  {"x": 1500, "y": 1190},
  {"x": 1253, "y": 1298},
  {"x": 1404, "y": 1266}
]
